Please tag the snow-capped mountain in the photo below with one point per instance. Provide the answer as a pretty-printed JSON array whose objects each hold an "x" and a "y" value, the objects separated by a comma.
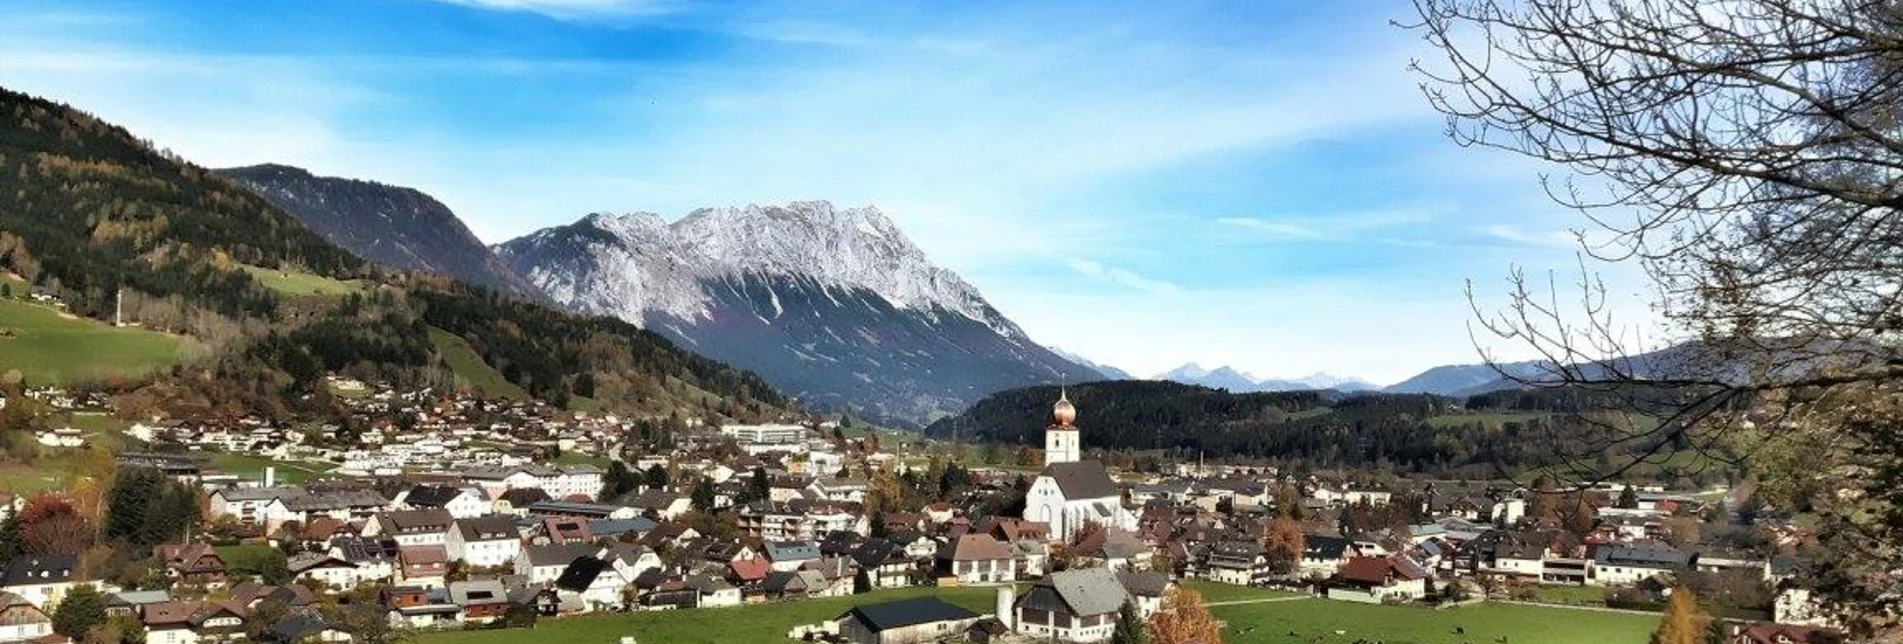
[
  {"x": 1242, "y": 382},
  {"x": 834, "y": 306}
]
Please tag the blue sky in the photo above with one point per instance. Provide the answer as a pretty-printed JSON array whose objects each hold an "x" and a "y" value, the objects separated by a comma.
[{"x": 1249, "y": 183}]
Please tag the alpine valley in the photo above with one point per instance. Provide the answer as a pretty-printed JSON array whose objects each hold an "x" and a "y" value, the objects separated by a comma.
[{"x": 835, "y": 307}]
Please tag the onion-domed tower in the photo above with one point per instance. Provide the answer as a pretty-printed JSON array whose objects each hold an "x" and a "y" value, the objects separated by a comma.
[{"x": 1062, "y": 443}]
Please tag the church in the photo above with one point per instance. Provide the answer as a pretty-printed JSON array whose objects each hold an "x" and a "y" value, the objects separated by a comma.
[{"x": 1071, "y": 491}]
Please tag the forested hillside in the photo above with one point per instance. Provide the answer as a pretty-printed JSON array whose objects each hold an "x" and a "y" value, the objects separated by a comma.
[
  {"x": 1411, "y": 433},
  {"x": 98, "y": 220}
]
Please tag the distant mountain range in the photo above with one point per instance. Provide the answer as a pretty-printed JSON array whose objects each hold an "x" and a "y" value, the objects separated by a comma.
[
  {"x": 835, "y": 306},
  {"x": 1230, "y": 379},
  {"x": 1108, "y": 372},
  {"x": 394, "y": 226}
]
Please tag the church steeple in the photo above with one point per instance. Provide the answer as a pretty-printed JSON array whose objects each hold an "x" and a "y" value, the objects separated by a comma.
[{"x": 1062, "y": 442}]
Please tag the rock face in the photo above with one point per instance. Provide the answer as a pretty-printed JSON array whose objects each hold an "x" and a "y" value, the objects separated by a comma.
[
  {"x": 398, "y": 227},
  {"x": 835, "y": 307}
]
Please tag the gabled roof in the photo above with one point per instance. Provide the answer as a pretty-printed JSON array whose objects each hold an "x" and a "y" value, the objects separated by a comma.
[
  {"x": 1144, "y": 583},
  {"x": 1081, "y": 592},
  {"x": 1082, "y": 480},
  {"x": 477, "y": 592},
  {"x": 1316, "y": 546},
  {"x": 489, "y": 528},
  {"x": 974, "y": 547},
  {"x": 432, "y": 496},
  {"x": 581, "y": 573},
  {"x": 791, "y": 550},
  {"x": 417, "y": 521},
  {"x": 907, "y": 612},
  {"x": 27, "y": 570},
  {"x": 558, "y": 555}
]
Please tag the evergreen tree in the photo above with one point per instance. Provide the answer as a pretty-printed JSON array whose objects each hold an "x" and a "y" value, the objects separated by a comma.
[
  {"x": 1130, "y": 628},
  {"x": 81, "y": 610},
  {"x": 761, "y": 486},
  {"x": 656, "y": 477},
  {"x": 703, "y": 495},
  {"x": 1628, "y": 498}
]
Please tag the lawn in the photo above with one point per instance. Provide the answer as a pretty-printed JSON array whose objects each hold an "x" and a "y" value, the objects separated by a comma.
[
  {"x": 1316, "y": 620},
  {"x": 248, "y": 465},
  {"x": 578, "y": 458},
  {"x": 302, "y": 284},
  {"x": 51, "y": 347},
  {"x": 1571, "y": 595},
  {"x": 1213, "y": 592},
  {"x": 469, "y": 368},
  {"x": 764, "y": 624}
]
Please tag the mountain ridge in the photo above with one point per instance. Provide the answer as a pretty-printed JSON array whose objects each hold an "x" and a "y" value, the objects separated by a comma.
[
  {"x": 836, "y": 306},
  {"x": 1231, "y": 379},
  {"x": 396, "y": 226}
]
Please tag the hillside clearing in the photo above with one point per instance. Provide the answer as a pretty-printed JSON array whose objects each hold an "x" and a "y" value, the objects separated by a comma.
[{"x": 48, "y": 346}]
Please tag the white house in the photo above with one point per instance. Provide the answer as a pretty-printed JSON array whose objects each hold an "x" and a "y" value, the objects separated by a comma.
[
  {"x": 41, "y": 579},
  {"x": 21, "y": 621},
  {"x": 484, "y": 542}
]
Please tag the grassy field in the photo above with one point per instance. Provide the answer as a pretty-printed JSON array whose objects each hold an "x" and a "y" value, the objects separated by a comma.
[
  {"x": 469, "y": 368},
  {"x": 253, "y": 466},
  {"x": 1213, "y": 592},
  {"x": 764, "y": 624},
  {"x": 302, "y": 284},
  {"x": 1316, "y": 620},
  {"x": 1571, "y": 595},
  {"x": 578, "y": 458},
  {"x": 50, "y": 347}
]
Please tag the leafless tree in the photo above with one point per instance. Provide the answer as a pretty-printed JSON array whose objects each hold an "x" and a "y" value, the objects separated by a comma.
[{"x": 1748, "y": 155}]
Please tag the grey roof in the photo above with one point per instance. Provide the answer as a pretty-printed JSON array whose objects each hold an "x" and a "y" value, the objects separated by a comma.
[
  {"x": 791, "y": 550},
  {"x": 573, "y": 508},
  {"x": 1640, "y": 557},
  {"x": 907, "y": 612},
  {"x": 28, "y": 570},
  {"x": 1144, "y": 583},
  {"x": 1082, "y": 480},
  {"x": 477, "y": 592},
  {"x": 615, "y": 527},
  {"x": 560, "y": 555},
  {"x": 340, "y": 500},
  {"x": 489, "y": 528},
  {"x": 1317, "y": 546},
  {"x": 431, "y": 496},
  {"x": 259, "y": 493},
  {"x": 1088, "y": 591},
  {"x": 417, "y": 521}
]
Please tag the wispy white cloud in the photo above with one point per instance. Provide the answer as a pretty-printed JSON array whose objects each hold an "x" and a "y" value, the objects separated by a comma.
[
  {"x": 1519, "y": 235},
  {"x": 1343, "y": 226},
  {"x": 569, "y": 9},
  {"x": 1120, "y": 276}
]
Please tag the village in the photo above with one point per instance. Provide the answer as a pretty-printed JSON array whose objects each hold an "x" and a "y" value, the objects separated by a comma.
[{"x": 450, "y": 513}]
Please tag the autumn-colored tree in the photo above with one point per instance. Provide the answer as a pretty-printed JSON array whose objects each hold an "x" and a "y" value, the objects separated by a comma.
[
  {"x": 1684, "y": 621},
  {"x": 1285, "y": 542},
  {"x": 49, "y": 525},
  {"x": 1183, "y": 619}
]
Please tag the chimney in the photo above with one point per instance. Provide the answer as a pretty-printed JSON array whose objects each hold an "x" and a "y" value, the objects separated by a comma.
[
  {"x": 270, "y": 475},
  {"x": 1006, "y": 598}
]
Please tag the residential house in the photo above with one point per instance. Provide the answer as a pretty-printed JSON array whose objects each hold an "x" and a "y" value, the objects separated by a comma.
[
  {"x": 1323, "y": 555},
  {"x": 545, "y": 564},
  {"x": 194, "y": 564},
  {"x": 1146, "y": 590},
  {"x": 1377, "y": 580},
  {"x": 482, "y": 601},
  {"x": 423, "y": 566},
  {"x": 977, "y": 559},
  {"x": 796, "y": 584},
  {"x": 411, "y": 527},
  {"x": 484, "y": 542},
  {"x": 884, "y": 564},
  {"x": 1072, "y": 605},
  {"x": 713, "y": 592},
  {"x": 333, "y": 572},
  {"x": 790, "y": 555},
  {"x": 1621, "y": 565},
  {"x": 460, "y": 503},
  {"x": 41, "y": 579},
  {"x": 907, "y": 621},
  {"x": 21, "y": 621},
  {"x": 1243, "y": 563}
]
